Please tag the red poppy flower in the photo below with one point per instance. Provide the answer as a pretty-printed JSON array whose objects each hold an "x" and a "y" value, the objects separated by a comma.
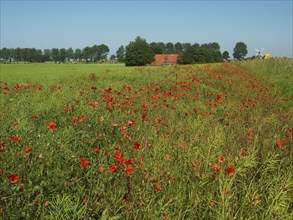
[
  {"x": 127, "y": 137},
  {"x": 15, "y": 124},
  {"x": 230, "y": 165},
  {"x": 35, "y": 116},
  {"x": 28, "y": 149},
  {"x": 249, "y": 132},
  {"x": 158, "y": 120},
  {"x": 136, "y": 146},
  {"x": 139, "y": 160},
  {"x": 279, "y": 144},
  {"x": 143, "y": 117},
  {"x": 129, "y": 123},
  {"x": 217, "y": 167},
  {"x": 3, "y": 144},
  {"x": 129, "y": 170},
  {"x": 158, "y": 187},
  {"x": 193, "y": 164},
  {"x": 221, "y": 159},
  {"x": 128, "y": 162},
  {"x": 167, "y": 157},
  {"x": 155, "y": 180},
  {"x": 212, "y": 204},
  {"x": 230, "y": 170},
  {"x": 16, "y": 139},
  {"x": 84, "y": 163},
  {"x": 52, "y": 126},
  {"x": 46, "y": 203},
  {"x": 82, "y": 118},
  {"x": 113, "y": 168},
  {"x": 13, "y": 178},
  {"x": 118, "y": 157},
  {"x": 96, "y": 150}
]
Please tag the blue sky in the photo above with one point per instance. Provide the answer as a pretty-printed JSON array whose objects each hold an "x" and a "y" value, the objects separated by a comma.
[{"x": 77, "y": 24}]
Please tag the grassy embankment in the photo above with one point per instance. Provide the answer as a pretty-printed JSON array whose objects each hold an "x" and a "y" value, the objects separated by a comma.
[{"x": 186, "y": 142}]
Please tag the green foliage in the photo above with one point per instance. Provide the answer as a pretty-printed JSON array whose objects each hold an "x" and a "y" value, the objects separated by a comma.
[
  {"x": 205, "y": 53},
  {"x": 138, "y": 53},
  {"x": 94, "y": 53},
  {"x": 120, "y": 54},
  {"x": 225, "y": 55},
  {"x": 65, "y": 207},
  {"x": 158, "y": 48},
  {"x": 240, "y": 51}
]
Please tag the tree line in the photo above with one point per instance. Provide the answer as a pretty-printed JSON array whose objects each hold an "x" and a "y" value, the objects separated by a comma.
[
  {"x": 136, "y": 53},
  {"x": 87, "y": 54},
  {"x": 188, "y": 53},
  {"x": 140, "y": 53}
]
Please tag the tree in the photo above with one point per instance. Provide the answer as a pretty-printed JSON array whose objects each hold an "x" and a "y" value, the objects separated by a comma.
[
  {"x": 113, "y": 58},
  {"x": 226, "y": 55},
  {"x": 214, "y": 46},
  {"x": 240, "y": 51},
  {"x": 202, "y": 55},
  {"x": 55, "y": 54},
  {"x": 162, "y": 47},
  {"x": 69, "y": 53},
  {"x": 205, "y": 53},
  {"x": 17, "y": 54},
  {"x": 78, "y": 54},
  {"x": 120, "y": 54},
  {"x": 178, "y": 47},
  {"x": 157, "y": 48},
  {"x": 27, "y": 54},
  {"x": 47, "y": 54},
  {"x": 185, "y": 46},
  {"x": 185, "y": 57},
  {"x": 170, "y": 48},
  {"x": 189, "y": 55},
  {"x": 138, "y": 53},
  {"x": 62, "y": 55},
  {"x": 5, "y": 54},
  {"x": 102, "y": 52},
  {"x": 39, "y": 54},
  {"x": 87, "y": 53}
]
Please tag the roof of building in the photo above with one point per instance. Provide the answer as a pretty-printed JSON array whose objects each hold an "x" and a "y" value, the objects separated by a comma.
[{"x": 161, "y": 59}]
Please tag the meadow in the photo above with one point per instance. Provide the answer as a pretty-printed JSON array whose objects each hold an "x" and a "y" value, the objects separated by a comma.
[{"x": 87, "y": 141}]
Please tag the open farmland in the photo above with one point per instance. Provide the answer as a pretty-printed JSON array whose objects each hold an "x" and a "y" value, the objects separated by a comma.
[{"x": 182, "y": 142}]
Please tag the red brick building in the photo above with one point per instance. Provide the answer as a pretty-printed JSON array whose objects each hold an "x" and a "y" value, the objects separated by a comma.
[{"x": 165, "y": 60}]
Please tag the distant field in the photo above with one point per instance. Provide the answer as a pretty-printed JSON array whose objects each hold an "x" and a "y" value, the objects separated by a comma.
[
  {"x": 278, "y": 71},
  {"x": 48, "y": 73},
  {"x": 87, "y": 141}
]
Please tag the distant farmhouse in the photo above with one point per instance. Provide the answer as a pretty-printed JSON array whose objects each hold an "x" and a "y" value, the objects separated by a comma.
[{"x": 165, "y": 60}]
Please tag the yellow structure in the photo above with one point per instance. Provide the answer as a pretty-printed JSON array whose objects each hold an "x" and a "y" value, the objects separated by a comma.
[{"x": 267, "y": 55}]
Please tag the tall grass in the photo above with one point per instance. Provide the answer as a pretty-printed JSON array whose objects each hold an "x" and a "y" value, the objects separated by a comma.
[
  {"x": 278, "y": 71},
  {"x": 183, "y": 142}
]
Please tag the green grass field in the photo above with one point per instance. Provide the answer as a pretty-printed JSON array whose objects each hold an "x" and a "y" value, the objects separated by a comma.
[{"x": 87, "y": 141}]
